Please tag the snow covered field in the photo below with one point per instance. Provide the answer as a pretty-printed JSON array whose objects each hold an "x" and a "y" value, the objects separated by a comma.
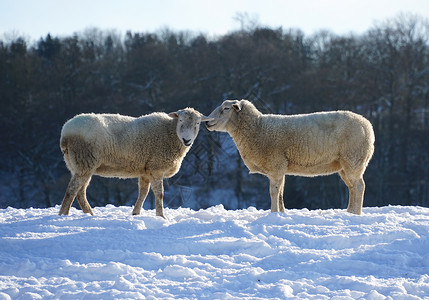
[{"x": 215, "y": 254}]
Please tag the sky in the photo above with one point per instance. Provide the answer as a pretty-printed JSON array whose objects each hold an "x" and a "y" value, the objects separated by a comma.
[{"x": 36, "y": 18}]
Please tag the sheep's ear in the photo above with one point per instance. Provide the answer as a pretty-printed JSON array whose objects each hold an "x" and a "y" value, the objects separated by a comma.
[
  {"x": 174, "y": 115},
  {"x": 237, "y": 106},
  {"x": 206, "y": 119}
]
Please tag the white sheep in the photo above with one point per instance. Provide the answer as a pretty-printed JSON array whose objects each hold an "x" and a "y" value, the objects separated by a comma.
[
  {"x": 149, "y": 148},
  {"x": 305, "y": 145}
]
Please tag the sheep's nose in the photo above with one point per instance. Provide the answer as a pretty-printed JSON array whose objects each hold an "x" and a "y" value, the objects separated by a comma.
[{"x": 186, "y": 142}]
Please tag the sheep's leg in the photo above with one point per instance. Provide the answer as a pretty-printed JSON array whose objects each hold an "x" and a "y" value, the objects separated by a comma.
[
  {"x": 75, "y": 184},
  {"x": 357, "y": 192},
  {"x": 276, "y": 185},
  {"x": 143, "y": 190},
  {"x": 158, "y": 190},
  {"x": 356, "y": 187},
  {"x": 281, "y": 190},
  {"x": 348, "y": 184},
  {"x": 83, "y": 202}
]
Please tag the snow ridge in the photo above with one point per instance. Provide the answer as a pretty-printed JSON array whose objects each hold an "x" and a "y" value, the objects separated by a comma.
[{"x": 215, "y": 254}]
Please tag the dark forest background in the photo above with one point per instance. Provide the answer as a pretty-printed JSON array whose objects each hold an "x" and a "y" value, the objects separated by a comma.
[{"x": 382, "y": 74}]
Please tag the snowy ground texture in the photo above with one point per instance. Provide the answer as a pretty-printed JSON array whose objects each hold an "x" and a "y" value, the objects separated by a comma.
[{"x": 215, "y": 254}]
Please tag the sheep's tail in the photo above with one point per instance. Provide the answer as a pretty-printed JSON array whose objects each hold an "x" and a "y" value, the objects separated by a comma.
[
  {"x": 370, "y": 140},
  {"x": 63, "y": 145}
]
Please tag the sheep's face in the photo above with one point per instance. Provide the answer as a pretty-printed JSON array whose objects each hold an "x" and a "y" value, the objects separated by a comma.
[
  {"x": 188, "y": 124},
  {"x": 222, "y": 115}
]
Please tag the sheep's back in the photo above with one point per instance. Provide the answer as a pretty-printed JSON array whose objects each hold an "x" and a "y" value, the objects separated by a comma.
[
  {"x": 312, "y": 139},
  {"x": 123, "y": 146},
  {"x": 93, "y": 127}
]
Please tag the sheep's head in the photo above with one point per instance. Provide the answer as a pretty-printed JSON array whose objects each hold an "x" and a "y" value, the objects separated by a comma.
[
  {"x": 188, "y": 124},
  {"x": 222, "y": 114}
]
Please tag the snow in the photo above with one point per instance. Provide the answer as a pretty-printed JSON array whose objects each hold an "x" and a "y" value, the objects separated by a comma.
[{"x": 215, "y": 254}]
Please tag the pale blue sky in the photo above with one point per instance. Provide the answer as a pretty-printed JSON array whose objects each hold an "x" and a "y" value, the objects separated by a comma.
[{"x": 36, "y": 18}]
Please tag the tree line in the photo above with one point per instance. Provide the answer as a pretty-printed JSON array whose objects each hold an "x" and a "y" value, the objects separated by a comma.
[{"x": 382, "y": 74}]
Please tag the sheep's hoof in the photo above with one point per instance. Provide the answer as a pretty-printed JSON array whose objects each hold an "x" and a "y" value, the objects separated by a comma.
[
  {"x": 63, "y": 213},
  {"x": 135, "y": 212},
  {"x": 88, "y": 211},
  {"x": 354, "y": 211}
]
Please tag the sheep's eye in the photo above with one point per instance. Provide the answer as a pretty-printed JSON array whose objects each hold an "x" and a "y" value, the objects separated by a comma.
[{"x": 225, "y": 109}]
